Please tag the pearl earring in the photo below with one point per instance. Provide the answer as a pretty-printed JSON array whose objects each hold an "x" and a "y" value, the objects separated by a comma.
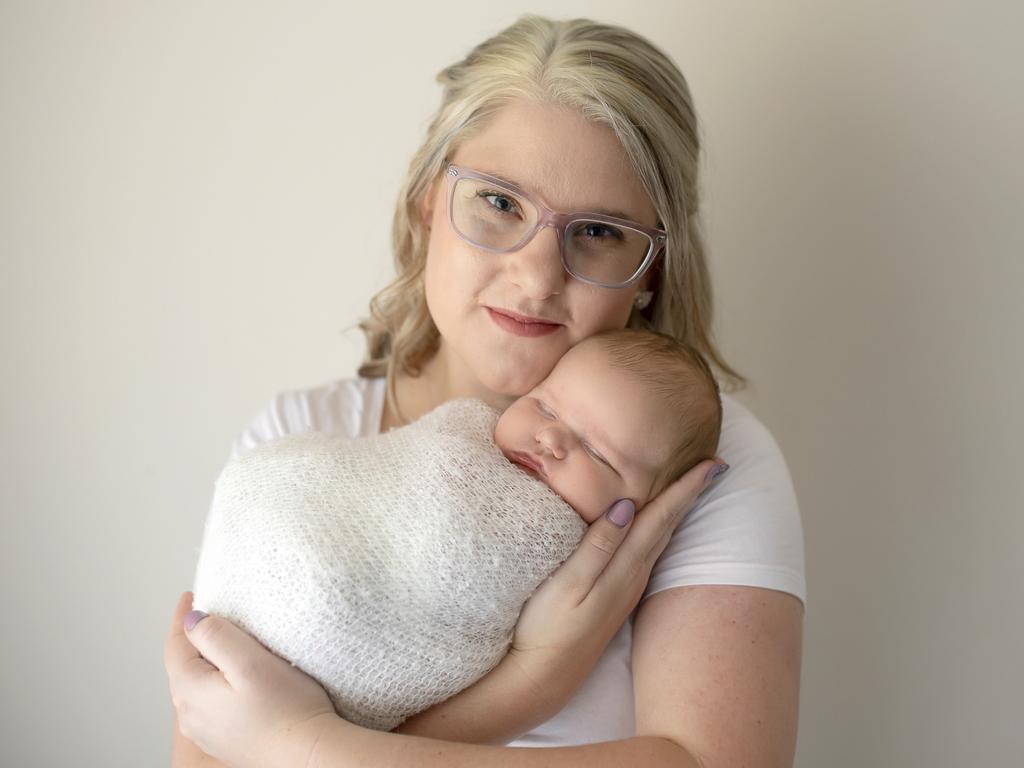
[{"x": 642, "y": 299}]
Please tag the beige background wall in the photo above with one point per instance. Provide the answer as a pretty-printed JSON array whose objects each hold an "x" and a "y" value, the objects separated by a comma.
[{"x": 195, "y": 201}]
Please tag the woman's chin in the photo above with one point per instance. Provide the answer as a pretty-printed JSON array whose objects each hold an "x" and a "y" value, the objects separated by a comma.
[
  {"x": 513, "y": 375},
  {"x": 511, "y": 383}
]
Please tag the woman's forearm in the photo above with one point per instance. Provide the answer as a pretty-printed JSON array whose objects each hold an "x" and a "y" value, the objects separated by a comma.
[
  {"x": 341, "y": 745},
  {"x": 495, "y": 710}
]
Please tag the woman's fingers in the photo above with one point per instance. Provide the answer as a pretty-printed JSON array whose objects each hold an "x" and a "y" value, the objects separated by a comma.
[
  {"x": 597, "y": 548},
  {"x": 659, "y": 519},
  {"x": 234, "y": 652},
  {"x": 633, "y": 556},
  {"x": 178, "y": 651},
  {"x": 182, "y": 659},
  {"x": 236, "y": 700}
]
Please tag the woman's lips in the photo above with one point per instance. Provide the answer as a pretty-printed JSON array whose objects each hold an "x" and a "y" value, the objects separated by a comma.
[{"x": 520, "y": 325}]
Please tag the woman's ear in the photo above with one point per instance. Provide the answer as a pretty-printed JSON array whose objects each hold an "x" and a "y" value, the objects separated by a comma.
[
  {"x": 651, "y": 280},
  {"x": 646, "y": 282},
  {"x": 427, "y": 205}
]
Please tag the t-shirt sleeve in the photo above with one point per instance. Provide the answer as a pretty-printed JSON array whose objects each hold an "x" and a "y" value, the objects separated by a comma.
[
  {"x": 745, "y": 530},
  {"x": 346, "y": 408},
  {"x": 287, "y": 413}
]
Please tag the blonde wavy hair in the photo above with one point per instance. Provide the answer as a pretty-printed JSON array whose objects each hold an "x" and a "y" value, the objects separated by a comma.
[{"x": 610, "y": 75}]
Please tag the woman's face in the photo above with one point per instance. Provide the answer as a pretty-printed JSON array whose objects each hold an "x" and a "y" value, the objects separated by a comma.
[{"x": 475, "y": 296}]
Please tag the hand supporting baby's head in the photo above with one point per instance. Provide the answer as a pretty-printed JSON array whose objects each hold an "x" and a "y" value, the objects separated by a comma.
[{"x": 621, "y": 415}]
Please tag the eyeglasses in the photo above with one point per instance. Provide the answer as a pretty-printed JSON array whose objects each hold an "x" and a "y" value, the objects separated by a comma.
[{"x": 498, "y": 216}]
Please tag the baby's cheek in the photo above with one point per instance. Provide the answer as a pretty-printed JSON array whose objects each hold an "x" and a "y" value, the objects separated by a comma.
[
  {"x": 594, "y": 494},
  {"x": 609, "y": 491},
  {"x": 500, "y": 435}
]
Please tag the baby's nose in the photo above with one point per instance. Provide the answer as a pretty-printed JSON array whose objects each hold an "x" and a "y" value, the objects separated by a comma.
[{"x": 554, "y": 441}]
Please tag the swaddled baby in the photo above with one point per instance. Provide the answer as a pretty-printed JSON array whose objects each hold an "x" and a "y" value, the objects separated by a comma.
[{"x": 393, "y": 568}]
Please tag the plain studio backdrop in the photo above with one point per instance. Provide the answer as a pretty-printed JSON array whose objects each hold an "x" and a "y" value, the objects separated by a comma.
[{"x": 195, "y": 208}]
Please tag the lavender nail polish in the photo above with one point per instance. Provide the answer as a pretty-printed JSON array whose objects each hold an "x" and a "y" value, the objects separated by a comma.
[
  {"x": 715, "y": 471},
  {"x": 192, "y": 618},
  {"x": 622, "y": 512}
]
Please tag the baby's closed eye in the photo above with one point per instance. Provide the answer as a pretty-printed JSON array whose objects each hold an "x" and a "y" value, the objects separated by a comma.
[{"x": 596, "y": 455}]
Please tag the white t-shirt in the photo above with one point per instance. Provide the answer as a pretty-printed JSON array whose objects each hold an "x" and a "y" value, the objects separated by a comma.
[{"x": 744, "y": 531}]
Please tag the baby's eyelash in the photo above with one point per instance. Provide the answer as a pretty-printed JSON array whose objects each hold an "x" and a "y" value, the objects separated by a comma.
[
  {"x": 545, "y": 411},
  {"x": 589, "y": 449}
]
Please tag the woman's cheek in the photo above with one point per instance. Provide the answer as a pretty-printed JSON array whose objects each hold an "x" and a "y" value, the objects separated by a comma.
[{"x": 598, "y": 309}]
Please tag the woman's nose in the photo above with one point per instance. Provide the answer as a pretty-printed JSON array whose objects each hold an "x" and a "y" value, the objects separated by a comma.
[{"x": 536, "y": 268}]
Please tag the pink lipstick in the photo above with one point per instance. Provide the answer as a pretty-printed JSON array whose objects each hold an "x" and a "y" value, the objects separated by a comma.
[{"x": 521, "y": 325}]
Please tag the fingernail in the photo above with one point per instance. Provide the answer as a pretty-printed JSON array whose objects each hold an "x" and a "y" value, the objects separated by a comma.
[
  {"x": 622, "y": 512},
  {"x": 714, "y": 472},
  {"x": 193, "y": 618}
]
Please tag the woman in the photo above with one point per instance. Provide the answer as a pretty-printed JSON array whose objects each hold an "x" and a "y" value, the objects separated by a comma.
[{"x": 574, "y": 116}]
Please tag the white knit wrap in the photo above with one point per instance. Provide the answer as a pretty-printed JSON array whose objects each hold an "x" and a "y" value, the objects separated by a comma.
[{"x": 390, "y": 568}]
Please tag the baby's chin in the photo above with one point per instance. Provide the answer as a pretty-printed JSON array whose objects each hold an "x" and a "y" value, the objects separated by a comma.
[{"x": 525, "y": 467}]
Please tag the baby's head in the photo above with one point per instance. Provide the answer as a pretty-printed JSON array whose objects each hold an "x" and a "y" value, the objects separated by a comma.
[{"x": 621, "y": 415}]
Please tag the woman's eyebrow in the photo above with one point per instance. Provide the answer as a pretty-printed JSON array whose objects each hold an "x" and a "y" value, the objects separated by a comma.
[{"x": 615, "y": 214}]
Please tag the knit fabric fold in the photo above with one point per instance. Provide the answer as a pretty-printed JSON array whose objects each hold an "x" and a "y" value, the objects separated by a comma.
[{"x": 391, "y": 568}]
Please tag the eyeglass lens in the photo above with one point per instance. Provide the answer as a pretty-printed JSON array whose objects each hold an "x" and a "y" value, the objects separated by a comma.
[{"x": 496, "y": 218}]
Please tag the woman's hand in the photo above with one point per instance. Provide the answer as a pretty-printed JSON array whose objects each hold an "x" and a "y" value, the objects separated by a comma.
[
  {"x": 567, "y": 623},
  {"x": 236, "y": 700}
]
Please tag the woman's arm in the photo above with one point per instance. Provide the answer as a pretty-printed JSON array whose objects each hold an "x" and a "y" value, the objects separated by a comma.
[
  {"x": 340, "y": 747},
  {"x": 470, "y": 716},
  {"x": 560, "y": 634},
  {"x": 246, "y": 706},
  {"x": 716, "y": 669},
  {"x": 499, "y": 707},
  {"x": 716, "y": 678}
]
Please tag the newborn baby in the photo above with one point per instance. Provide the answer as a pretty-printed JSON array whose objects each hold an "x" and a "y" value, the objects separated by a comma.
[
  {"x": 393, "y": 568},
  {"x": 622, "y": 415}
]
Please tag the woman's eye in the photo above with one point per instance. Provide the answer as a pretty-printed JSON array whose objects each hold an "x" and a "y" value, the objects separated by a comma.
[
  {"x": 501, "y": 203},
  {"x": 593, "y": 230}
]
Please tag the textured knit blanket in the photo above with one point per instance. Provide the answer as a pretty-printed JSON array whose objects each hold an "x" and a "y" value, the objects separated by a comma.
[{"x": 390, "y": 568}]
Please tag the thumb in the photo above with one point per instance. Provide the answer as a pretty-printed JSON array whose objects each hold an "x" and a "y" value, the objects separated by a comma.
[
  {"x": 221, "y": 643},
  {"x": 621, "y": 513}
]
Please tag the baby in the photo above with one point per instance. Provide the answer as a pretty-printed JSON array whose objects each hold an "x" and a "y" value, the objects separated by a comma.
[
  {"x": 393, "y": 568},
  {"x": 623, "y": 414}
]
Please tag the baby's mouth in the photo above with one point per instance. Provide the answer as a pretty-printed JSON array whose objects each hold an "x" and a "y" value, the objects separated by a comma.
[{"x": 526, "y": 462}]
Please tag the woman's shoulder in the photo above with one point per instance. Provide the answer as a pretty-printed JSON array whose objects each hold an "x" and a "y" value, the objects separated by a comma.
[
  {"x": 746, "y": 528},
  {"x": 745, "y": 442},
  {"x": 348, "y": 407}
]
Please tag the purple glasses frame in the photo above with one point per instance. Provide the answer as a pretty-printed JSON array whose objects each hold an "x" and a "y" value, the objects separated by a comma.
[{"x": 559, "y": 222}]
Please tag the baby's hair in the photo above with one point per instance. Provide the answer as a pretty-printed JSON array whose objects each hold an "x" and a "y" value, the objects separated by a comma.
[{"x": 679, "y": 374}]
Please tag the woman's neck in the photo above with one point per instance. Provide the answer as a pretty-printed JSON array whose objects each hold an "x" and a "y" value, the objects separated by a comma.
[{"x": 441, "y": 379}]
